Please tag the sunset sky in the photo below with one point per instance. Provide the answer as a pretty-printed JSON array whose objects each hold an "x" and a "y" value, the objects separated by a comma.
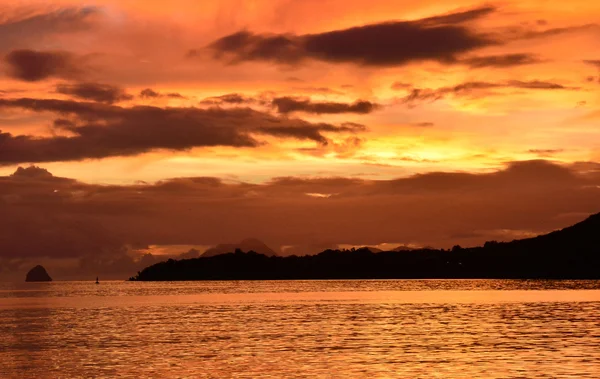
[{"x": 158, "y": 127}]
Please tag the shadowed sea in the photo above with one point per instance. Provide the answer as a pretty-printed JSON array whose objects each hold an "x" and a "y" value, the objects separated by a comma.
[{"x": 300, "y": 329}]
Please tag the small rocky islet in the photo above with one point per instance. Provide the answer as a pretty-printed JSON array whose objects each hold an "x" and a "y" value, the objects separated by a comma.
[{"x": 38, "y": 274}]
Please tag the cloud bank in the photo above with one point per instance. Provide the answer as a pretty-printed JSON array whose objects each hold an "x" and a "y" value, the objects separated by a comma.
[
  {"x": 97, "y": 130},
  {"x": 59, "y": 218}
]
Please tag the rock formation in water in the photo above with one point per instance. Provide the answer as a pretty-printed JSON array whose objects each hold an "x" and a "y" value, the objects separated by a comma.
[{"x": 38, "y": 274}]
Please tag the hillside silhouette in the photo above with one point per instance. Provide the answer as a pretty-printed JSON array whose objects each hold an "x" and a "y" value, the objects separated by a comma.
[
  {"x": 249, "y": 244},
  {"x": 570, "y": 253}
]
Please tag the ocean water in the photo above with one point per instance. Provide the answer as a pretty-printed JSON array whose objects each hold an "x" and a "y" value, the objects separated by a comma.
[{"x": 301, "y": 329}]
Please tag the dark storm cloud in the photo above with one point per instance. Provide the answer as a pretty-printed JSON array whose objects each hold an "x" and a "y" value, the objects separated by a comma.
[
  {"x": 324, "y": 90},
  {"x": 423, "y": 124},
  {"x": 33, "y": 66},
  {"x": 442, "y": 38},
  {"x": 479, "y": 89},
  {"x": 99, "y": 130},
  {"x": 593, "y": 62},
  {"x": 344, "y": 149},
  {"x": 149, "y": 93},
  {"x": 230, "y": 98},
  {"x": 459, "y": 17},
  {"x": 27, "y": 27},
  {"x": 57, "y": 217},
  {"x": 310, "y": 132},
  {"x": 428, "y": 94},
  {"x": 501, "y": 61},
  {"x": 545, "y": 152},
  {"x": 400, "y": 85},
  {"x": 102, "y": 93},
  {"x": 32, "y": 172},
  {"x": 446, "y": 39},
  {"x": 537, "y": 84},
  {"x": 521, "y": 34},
  {"x": 292, "y": 104},
  {"x": 25, "y": 232}
]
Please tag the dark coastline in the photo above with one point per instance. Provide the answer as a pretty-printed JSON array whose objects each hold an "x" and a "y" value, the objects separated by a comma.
[{"x": 571, "y": 253}]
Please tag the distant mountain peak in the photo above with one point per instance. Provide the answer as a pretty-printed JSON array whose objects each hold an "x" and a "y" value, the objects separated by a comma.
[
  {"x": 246, "y": 245},
  {"x": 251, "y": 241},
  {"x": 404, "y": 248}
]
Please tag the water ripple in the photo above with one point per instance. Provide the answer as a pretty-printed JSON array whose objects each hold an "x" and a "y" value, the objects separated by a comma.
[{"x": 294, "y": 339}]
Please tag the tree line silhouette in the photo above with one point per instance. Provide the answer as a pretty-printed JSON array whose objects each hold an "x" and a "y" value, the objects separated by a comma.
[{"x": 571, "y": 253}]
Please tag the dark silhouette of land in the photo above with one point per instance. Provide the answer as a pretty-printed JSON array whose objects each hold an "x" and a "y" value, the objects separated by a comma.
[
  {"x": 249, "y": 244},
  {"x": 570, "y": 253},
  {"x": 38, "y": 274}
]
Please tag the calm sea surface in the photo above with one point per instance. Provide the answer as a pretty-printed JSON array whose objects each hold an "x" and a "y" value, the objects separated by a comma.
[{"x": 309, "y": 329}]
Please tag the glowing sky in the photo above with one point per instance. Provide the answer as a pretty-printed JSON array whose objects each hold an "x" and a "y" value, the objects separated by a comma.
[
  {"x": 485, "y": 85},
  {"x": 248, "y": 92}
]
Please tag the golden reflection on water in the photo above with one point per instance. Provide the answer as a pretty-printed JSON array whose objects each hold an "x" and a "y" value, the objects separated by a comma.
[{"x": 212, "y": 330}]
